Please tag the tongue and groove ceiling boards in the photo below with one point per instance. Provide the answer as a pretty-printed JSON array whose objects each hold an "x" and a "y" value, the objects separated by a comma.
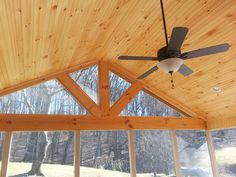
[{"x": 42, "y": 37}]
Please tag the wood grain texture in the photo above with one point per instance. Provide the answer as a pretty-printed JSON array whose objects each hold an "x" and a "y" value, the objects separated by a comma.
[
  {"x": 42, "y": 37},
  {"x": 29, "y": 122},
  {"x": 221, "y": 123},
  {"x": 44, "y": 78},
  {"x": 104, "y": 88}
]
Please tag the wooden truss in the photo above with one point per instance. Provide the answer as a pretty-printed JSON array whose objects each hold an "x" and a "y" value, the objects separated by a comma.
[{"x": 102, "y": 116}]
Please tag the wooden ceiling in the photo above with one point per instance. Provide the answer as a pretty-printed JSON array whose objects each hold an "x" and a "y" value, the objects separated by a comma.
[{"x": 42, "y": 37}]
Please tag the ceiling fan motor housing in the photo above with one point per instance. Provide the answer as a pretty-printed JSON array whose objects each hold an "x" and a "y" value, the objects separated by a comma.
[{"x": 163, "y": 54}]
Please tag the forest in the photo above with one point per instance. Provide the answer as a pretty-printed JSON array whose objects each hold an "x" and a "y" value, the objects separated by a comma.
[{"x": 99, "y": 149}]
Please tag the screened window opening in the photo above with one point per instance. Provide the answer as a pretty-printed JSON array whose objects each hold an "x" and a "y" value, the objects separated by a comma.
[
  {"x": 118, "y": 86},
  {"x": 225, "y": 150},
  {"x": 49, "y": 154},
  {"x": 46, "y": 98},
  {"x": 144, "y": 104},
  {"x": 104, "y": 154},
  {"x": 87, "y": 79},
  {"x": 194, "y": 155},
  {"x": 154, "y": 155}
]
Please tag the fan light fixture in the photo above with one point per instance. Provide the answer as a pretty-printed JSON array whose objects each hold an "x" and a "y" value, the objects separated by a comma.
[{"x": 170, "y": 64}]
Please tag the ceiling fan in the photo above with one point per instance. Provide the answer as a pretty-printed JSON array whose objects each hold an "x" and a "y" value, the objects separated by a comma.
[{"x": 170, "y": 58}]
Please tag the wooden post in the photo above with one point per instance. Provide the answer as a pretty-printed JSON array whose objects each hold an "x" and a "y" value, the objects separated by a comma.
[
  {"x": 77, "y": 153},
  {"x": 214, "y": 166},
  {"x": 132, "y": 158},
  {"x": 176, "y": 154},
  {"x": 104, "y": 88},
  {"x": 6, "y": 153}
]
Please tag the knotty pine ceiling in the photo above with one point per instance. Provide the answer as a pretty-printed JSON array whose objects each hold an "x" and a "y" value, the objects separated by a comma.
[{"x": 41, "y": 37}]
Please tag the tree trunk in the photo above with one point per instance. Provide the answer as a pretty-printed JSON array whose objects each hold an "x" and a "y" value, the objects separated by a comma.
[
  {"x": 68, "y": 142},
  {"x": 40, "y": 155},
  {"x": 53, "y": 145},
  {"x": 154, "y": 170},
  {"x": 42, "y": 105},
  {"x": 31, "y": 148},
  {"x": 98, "y": 148}
]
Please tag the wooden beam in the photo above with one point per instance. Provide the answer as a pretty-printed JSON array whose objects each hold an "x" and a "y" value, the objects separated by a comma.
[
  {"x": 27, "y": 122},
  {"x": 6, "y": 153},
  {"x": 80, "y": 95},
  {"x": 104, "y": 88},
  {"x": 122, "y": 102},
  {"x": 44, "y": 78},
  {"x": 221, "y": 123},
  {"x": 148, "y": 87}
]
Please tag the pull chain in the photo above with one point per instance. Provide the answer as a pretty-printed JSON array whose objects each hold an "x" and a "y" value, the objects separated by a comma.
[{"x": 172, "y": 81}]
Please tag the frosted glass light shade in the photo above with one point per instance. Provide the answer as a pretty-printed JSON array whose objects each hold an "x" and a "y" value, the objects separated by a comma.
[{"x": 170, "y": 64}]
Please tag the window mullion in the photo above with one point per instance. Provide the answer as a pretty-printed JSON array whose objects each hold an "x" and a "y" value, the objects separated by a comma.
[
  {"x": 132, "y": 154},
  {"x": 176, "y": 154},
  {"x": 211, "y": 149},
  {"x": 6, "y": 153},
  {"x": 77, "y": 153}
]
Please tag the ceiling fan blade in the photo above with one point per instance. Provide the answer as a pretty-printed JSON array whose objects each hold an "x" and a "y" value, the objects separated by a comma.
[
  {"x": 185, "y": 70},
  {"x": 136, "y": 58},
  {"x": 205, "y": 51},
  {"x": 150, "y": 71},
  {"x": 177, "y": 38}
]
